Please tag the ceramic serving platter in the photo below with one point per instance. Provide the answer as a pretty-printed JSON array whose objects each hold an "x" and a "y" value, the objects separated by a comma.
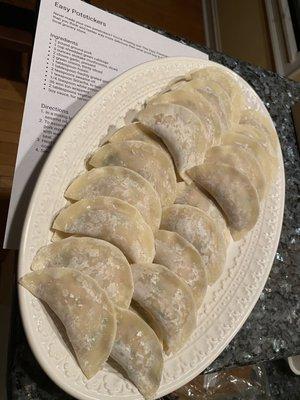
[{"x": 227, "y": 303}]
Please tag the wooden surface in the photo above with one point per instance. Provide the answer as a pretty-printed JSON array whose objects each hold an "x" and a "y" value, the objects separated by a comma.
[
  {"x": 12, "y": 97},
  {"x": 15, "y": 39},
  {"x": 249, "y": 19},
  {"x": 27, "y": 4},
  {"x": 180, "y": 17}
]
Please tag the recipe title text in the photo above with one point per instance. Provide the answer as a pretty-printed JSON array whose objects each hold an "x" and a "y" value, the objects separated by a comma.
[{"x": 78, "y": 13}]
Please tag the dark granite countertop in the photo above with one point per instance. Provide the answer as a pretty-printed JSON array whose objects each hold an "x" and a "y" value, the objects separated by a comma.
[{"x": 272, "y": 330}]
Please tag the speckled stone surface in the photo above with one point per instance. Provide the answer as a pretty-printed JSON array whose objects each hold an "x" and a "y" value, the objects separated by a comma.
[
  {"x": 283, "y": 383},
  {"x": 273, "y": 329}
]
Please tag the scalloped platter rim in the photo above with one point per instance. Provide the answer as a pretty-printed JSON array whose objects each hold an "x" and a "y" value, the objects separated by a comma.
[{"x": 227, "y": 304}]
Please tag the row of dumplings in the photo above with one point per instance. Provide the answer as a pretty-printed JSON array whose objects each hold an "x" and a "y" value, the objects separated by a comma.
[
  {"x": 149, "y": 224},
  {"x": 89, "y": 284},
  {"x": 224, "y": 148}
]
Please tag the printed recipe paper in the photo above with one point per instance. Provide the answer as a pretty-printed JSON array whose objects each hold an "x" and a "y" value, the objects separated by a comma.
[{"x": 78, "y": 49}]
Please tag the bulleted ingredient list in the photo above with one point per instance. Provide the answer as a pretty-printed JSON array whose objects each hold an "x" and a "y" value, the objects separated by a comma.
[
  {"x": 78, "y": 49},
  {"x": 73, "y": 71}
]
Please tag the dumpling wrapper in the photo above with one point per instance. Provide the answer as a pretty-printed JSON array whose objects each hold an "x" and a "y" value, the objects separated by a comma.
[
  {"x": 261, "y": 122},
  {"x": 193, "y": 196},
  {"x": 180, "y": 130},
  {"x": 234, "y": 193},
  {"x": 219, "y": 75},
  {"x": 169, "y": 301},
  {"x": 57, "y": 236},
  {"x": 135, "y": 131},
  {"x": 122, "y": 183},
  {"x": 138, "y": 351},
  {"x": 109, "y": 219},
  {"x": 84, "y": 309},
  {"x": 228, "y": 82},
  {"x": 149, "y": 319},
  {"x": 267, "y": 162},
  {"x": 97, "y": 258},
  {"x": 237, "y": 157},
  {"x": 181, "y": 257},
  {"x": 196, "y": 103},
  {"x": 153, "y": 163},
  {"x": 214, "y": 94},
  {"x": 201, "y": 231},
  {"x": 257, "y": 135}
]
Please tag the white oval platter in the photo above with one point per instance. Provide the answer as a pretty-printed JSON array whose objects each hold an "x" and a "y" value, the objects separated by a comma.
[{"x": 227, "y": 304}]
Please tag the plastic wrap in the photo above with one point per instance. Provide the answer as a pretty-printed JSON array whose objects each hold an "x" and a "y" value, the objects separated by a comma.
[{"x": 244, "y": 383}]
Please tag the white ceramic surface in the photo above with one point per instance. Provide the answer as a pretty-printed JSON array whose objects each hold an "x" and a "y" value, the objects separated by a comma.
[
  {"x": 227, "y": 304},
  {"x": 294, "y": 363}
]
